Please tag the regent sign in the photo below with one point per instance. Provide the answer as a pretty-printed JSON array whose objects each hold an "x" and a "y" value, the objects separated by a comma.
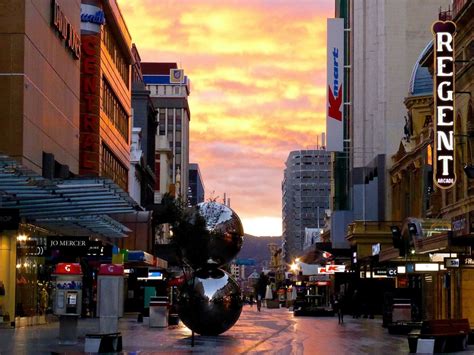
[{"x": 443, "y": 163}]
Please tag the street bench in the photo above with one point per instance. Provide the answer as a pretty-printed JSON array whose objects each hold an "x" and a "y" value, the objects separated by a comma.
[{"x": 448, "y": 334}]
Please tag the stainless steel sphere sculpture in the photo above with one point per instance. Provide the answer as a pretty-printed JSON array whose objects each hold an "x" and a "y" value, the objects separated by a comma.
[{"x": 210, "y": 301}]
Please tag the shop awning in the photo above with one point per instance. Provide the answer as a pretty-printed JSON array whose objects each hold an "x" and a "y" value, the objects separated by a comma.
[
  {"x": 84, "y": 225},
  {"x": 75, "y": 206}
]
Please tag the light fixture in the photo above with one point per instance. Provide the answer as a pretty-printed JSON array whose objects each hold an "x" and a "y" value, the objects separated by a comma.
[
  {"x": 294, "y": 267},
  {"x": 22, "y": 237}
]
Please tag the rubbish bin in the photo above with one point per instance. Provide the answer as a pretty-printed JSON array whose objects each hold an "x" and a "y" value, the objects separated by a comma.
[{"x": 159, "y": 311}]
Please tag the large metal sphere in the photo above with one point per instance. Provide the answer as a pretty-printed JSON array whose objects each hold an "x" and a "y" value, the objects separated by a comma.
[
  {"x": 213, "y": 235},
  {"x": 210, "y": 302}
]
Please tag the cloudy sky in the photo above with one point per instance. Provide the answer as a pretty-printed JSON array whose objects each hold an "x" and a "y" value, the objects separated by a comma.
[{"x": 258, "y": 73}]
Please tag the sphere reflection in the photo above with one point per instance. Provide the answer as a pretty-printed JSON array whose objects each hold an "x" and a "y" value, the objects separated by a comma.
[
  {"x": 210, "y": 302},
  {"x": 212, "y": 235}
]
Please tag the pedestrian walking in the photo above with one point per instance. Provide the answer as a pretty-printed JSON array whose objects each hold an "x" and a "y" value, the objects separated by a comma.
[
  {"x": 339, "y": 309},
  {"x": 259, "y": 302},
  {"x": 260, "y": 289}
]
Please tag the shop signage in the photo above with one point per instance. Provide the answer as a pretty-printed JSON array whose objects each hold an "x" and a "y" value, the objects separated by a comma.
[
  {"x": 89, "y": 142},
  {"x": 444, "y": 165},
  {"x": 65, "y": 30},
  {"x": 331, "y": 269},
  {"x": 92, "y": 18},
  {"x": 451, "y": 262},
  {"x": 318, "y": 277},
  {"x": 68, "y": 269},
  {"x": 323, "y": 283},
  {"x": 97, "y": 18},
  {"x": 9, "y": 218},
  {"x": 426, "y": 267},
  {"x": 467, "y": 261},
  {"x": 335, "y": 88},
  {"x": 96, "y": 248},
  {"x": 26, "y": 248},
  {"x": 380, "y": 272},
  {"x": 176, "y": 76},
  {"x": 111, "y": 269},
  {"x": 73, "y": 246},
  {"x": 462, "y": 225},
  {"x": 391, "y": 272}
]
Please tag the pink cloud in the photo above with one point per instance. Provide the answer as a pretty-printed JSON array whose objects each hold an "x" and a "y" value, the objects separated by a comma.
[{"x": 258, "y": 86}]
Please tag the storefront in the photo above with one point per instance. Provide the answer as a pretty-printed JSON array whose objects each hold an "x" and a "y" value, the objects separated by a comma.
[{"x": 61, "y": 220}]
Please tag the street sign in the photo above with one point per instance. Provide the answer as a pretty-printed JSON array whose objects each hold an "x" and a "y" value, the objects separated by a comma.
[{"x": 451, "y": 262}]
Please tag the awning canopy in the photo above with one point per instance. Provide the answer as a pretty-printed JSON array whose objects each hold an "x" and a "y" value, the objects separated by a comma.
[{"x": 73, "y": 206}]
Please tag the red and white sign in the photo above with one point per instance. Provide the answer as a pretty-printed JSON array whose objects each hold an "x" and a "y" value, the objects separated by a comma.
[
  {"x": 335, "y": 89},
  {"x": 444, "y": 165},
  {"x": 68, "y": 269},
  {"x": 111, "y": 269},
  {"x": 331, "y": 269}
]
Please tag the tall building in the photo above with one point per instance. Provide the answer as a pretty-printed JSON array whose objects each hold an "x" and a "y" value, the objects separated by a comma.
[
  {"x": 384, "y": 48},
  {"x": 40, "y": 118},
  {"x": 66, "y": 106},
  {"x": 379, "y": 52},
  {"x": 105, "y": 92},
  {"x": 169, "y": 89},
  {"x": 196, "y": 185},
  {"x": 142, "y": 169},
  {"x": 305, "y": 186}
]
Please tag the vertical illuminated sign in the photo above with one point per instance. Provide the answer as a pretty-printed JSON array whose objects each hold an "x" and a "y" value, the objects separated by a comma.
[
  {"x": 443, "y": 163},
  {"x": 335, "y": 88}
]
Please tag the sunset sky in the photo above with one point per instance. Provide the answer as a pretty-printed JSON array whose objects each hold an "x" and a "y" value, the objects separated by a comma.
[{"x": 258, "y": 74}]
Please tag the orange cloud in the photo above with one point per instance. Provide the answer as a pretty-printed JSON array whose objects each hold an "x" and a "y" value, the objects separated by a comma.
[{"x": 258, "y": 77}]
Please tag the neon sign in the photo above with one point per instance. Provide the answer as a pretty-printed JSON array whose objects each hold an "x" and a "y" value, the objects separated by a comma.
[{"x": 443, "y": 163}]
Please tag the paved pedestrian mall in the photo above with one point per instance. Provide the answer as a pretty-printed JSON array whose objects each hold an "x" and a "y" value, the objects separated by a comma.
[{"x": 273, "y": 331}]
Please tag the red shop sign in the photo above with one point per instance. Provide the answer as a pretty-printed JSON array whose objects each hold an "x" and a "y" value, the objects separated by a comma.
[
  {"x": 111, "y": 269},
  {"x": 68, "y": 269}
]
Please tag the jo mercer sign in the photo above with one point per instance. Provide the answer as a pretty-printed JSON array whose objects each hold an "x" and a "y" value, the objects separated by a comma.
[{"x": 443, "y": 163}]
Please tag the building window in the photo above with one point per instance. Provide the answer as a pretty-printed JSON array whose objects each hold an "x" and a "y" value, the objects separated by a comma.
[
  {"x": 114, "y": 109},
  {"x": 116, "y": 54},
  {"x": 113, "y": 168}
]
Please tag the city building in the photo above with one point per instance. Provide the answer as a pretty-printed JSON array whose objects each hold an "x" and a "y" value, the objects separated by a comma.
[
  {"x": 196, "y": 185},
  {"x": 379, "y": 53},
  {"x": 305, "y": 189},
  {"x": 436, "y": 224},
  {"x": 379, "y": 56},
  {"x": 54, "y": 190},
  {"x": 144, "y": 120},
  {"x": 40, "y": 127},
  {"x": 105, "y": 127},
  {"x": 169, "y": 89}
]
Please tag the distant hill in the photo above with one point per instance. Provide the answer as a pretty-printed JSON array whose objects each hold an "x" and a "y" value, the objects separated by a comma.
[{"x": 257, "y": 248}]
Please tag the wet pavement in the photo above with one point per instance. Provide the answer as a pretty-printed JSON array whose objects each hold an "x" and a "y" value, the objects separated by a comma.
[{"x": 274, "y": 331}]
